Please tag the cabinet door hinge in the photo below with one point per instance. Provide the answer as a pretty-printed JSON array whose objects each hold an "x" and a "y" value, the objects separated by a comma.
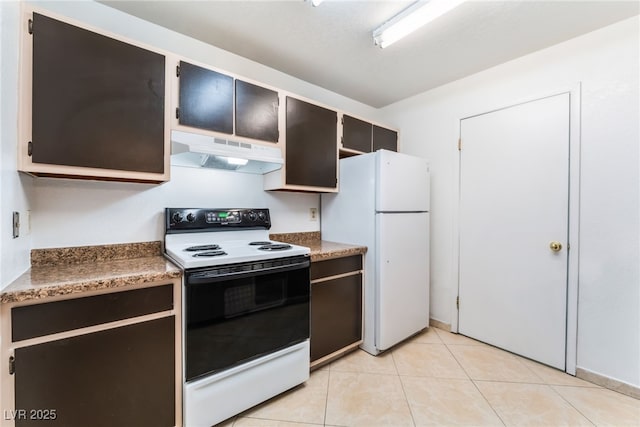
[
  {"x": 30, "y": 26},
  {"x": 459, "y": 144},
  {"x": 29, "y": 148},
  {"x": 12, "y": 365},
  {"x": 458, "y": 302},
  {"x": 177, "y": 71},
  {"x": 342, "y": 121},
  {"x": 177, "y": 113}
]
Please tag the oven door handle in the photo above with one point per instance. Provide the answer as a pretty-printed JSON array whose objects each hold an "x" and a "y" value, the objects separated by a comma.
[{"x": 210, "y": 276}]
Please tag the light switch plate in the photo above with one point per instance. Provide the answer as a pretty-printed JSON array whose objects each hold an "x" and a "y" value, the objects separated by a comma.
[{"x": 16, "y": 225}]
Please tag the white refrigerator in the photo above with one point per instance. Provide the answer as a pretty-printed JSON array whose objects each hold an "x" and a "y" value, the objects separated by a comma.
[{"x": 383, "y": 203}]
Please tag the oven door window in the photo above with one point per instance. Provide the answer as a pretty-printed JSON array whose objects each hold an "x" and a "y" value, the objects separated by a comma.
[{"x": 234, "y": 320}]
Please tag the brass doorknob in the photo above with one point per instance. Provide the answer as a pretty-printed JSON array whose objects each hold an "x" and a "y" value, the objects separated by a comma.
[{"x": 555, "y": 246}]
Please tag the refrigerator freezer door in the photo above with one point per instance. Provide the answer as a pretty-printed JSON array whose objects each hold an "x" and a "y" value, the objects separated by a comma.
[
  {"x": 403, "y": 183},
  {"x": 402, "y": 285}
]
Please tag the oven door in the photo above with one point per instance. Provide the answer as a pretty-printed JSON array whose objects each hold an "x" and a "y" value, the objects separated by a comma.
[{"x": 238, "y": 312}]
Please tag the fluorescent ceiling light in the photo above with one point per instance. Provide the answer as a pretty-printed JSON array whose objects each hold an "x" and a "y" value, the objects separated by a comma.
[{"x": 412, "y": 18}]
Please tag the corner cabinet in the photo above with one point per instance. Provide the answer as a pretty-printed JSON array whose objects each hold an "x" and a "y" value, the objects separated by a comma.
[
  {"x": 92, "y": 106},
  {"x": 359, "y": 136},
  {"x": 101, "y": 360},
  {"x": 336, "y": 307},
  {"x": 311, "y": 149}
]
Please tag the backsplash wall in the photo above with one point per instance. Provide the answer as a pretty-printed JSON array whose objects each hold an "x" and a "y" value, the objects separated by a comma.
[{"x": 78, "y": 213}]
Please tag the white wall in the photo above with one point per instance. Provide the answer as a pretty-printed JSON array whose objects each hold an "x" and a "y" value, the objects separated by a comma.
[
  {"x": 607, "y": 64},
  {"x": 72, "y": 213},
  {"x": 14, "y": 188}
]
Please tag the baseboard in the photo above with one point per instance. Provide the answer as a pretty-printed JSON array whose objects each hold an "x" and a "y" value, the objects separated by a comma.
[
  {"x": 610, "y": 383},
  {"x": 440, "y": 325}
]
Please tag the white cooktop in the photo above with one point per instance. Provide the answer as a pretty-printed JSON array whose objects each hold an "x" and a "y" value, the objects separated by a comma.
[{"x": 234, "y": 244}]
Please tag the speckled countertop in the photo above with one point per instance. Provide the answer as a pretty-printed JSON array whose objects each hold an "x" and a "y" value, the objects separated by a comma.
[
  {"x": 320, "y": 249},
  {"x": 63, "y": 271}
]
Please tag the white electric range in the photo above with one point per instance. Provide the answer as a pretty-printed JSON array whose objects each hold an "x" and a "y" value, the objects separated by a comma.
[{"x": 245, "y": 310}]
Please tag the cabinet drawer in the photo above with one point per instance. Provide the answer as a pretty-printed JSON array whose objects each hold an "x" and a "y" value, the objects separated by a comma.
[
  {"x": 333, "y": 267},
  {"x": 38, "y": 320}
]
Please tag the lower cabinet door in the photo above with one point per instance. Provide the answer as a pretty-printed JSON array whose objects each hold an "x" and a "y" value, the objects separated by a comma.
[
  {"x": 336, "y": 314},
  {"x": 118, "y": 377}
]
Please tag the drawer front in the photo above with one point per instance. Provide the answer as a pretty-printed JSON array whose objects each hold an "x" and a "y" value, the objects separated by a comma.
[
  {"x": 38, "y": 320},
  {"x": 336, "y": 266}
]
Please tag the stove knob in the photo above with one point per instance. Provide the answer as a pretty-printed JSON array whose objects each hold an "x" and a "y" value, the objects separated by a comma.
[
  {"x": 177, "y": 217},
  {"x": 253, "y": 216},
  {"x": 262, "y": 216},
  {"x": 191, "y": 217}
]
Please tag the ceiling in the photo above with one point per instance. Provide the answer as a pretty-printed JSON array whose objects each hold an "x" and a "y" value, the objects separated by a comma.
[{"x": 331, "y": 45}]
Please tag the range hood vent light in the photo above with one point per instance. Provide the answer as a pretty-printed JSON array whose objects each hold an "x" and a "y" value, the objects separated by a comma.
[{"x": 202, "y": 151}]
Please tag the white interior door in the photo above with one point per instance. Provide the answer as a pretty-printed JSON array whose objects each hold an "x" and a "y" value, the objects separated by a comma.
[
  {"x": 514, "y": 184},
  {"x": 402, "y": 276}
]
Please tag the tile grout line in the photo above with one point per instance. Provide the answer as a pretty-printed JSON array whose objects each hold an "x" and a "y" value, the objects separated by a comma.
[
  {"x": 571, "y": 404},
  {"x": 474, "y": 384},
  {"x": 404, "y": 392},
  {"x": 326, "y": 396},
  {"x": 542, "y": 383}
]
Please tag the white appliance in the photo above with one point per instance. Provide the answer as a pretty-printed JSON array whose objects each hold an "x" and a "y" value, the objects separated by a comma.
[
  {"x": 383, "y": 203},
  {"x": 203, "y": 151},
  {"x": 245, "y": 310}
]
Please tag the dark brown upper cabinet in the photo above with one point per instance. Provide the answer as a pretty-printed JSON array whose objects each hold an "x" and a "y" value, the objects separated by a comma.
[
  {"x": 385, "y": 139},
  {"x": 96, "y": 102},
  {"x": 311, "y": 146},
  {"x": 205, "y": 99},
  {"x": 256, "y": 112},
  {"x": 364, "y": 137},
  {"x": 356, "y": 134}
]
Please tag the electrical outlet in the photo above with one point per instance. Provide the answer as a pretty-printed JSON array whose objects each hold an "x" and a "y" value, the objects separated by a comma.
[
  {"x": 313, "y": 214},
  {"x": 16, "y": 225}
]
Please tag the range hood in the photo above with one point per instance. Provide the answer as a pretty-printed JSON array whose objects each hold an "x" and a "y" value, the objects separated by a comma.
[{"x": 202, "y": 151}]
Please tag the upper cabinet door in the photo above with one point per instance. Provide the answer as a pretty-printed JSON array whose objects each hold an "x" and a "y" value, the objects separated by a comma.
[
  {"x": 97, "y": 102},
  {"x": 384, "y": 139},
  {"x": 356, "y": 134},
  {"x": 311, "y": 146},
  {"x": 205, "y": 99},
  {"x": 256, "y": 112}
]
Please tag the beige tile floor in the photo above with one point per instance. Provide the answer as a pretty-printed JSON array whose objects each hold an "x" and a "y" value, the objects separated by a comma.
[{"x": 442, "y": 379}]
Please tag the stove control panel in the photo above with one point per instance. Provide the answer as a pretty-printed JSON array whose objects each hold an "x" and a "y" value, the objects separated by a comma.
[{"x": 184, "y": 220}]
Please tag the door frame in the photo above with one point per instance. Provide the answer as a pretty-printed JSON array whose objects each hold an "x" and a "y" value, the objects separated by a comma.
[{"x": 574, "y": 212}]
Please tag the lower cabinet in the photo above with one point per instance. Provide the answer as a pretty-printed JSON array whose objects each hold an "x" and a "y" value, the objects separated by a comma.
[
  {"x": 123, "y": 376},
  {"x": 336, "y": 307},
  {"x": 121, "y": 372}
]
